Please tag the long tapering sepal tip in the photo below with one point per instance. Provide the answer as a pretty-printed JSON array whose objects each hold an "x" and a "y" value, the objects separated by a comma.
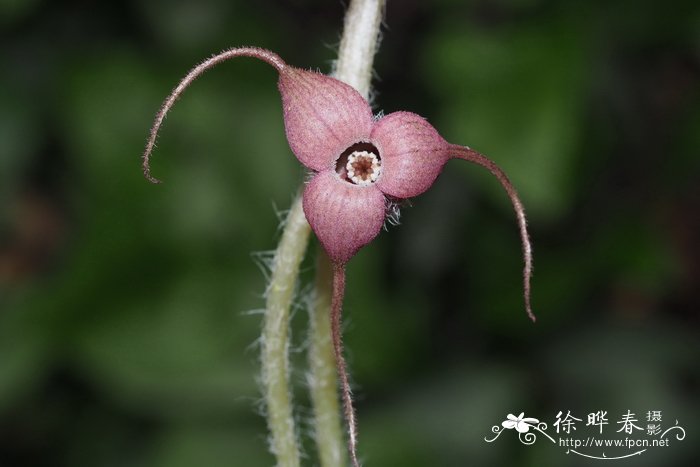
[
  {"x": 468, "y": 154},
  {"x": 267, "y": 56}
]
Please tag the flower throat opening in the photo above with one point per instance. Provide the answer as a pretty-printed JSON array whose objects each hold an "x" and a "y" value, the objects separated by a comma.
[{"x": 359, "y": 164}]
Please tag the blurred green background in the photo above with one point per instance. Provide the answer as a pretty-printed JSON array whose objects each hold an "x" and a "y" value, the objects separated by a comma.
[{"x": 127, "y": 310}]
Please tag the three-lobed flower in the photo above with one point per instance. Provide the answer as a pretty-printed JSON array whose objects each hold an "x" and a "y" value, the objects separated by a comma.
[{"x": 361, "y": 165}]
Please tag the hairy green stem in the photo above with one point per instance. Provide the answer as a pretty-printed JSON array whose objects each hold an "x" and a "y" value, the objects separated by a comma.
[
  {"x": 359, "y": 44},
  {"x": 354, "y": 66},
  {"x": 275, "y": 337}
]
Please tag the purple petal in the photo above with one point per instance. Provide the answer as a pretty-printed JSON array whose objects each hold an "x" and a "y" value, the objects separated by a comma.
[
  {"x": 344, "y": 217},
  {"x": 412, "y": 153},
  {"x": 322, "y": 116}
]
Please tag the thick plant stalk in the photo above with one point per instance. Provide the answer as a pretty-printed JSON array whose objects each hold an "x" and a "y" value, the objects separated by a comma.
[
  {"x": 359, "y": 44},
  {"x": 275, "y": 337},
  {"x": 354, "y": 66}
]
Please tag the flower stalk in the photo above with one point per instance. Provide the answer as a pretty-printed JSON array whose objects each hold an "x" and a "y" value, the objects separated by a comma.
[
  {"x": 358, "y": 46},
  {"x": 322, "y": 377},
  {"x": 354, "y": 66},
  {"x": 359, "y": 164}
]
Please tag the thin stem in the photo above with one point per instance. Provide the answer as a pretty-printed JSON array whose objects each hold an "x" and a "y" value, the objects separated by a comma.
[
  {"x": 323, "y": 381},
  {"x": 265, "y": 55},
  {"x": 468, "y": 154},
  {"x": 354, "y": 66},
  {"x": 275, "y": 339},
  {"x": 336, "y": 332},
  {"x": 290, "y": 252}
]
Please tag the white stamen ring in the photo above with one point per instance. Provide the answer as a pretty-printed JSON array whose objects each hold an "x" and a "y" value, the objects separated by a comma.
[{"x": 363, "y": 167}]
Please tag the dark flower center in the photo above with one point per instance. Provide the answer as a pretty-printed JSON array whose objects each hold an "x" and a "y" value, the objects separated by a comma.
[{"x": 359, "y": 164}]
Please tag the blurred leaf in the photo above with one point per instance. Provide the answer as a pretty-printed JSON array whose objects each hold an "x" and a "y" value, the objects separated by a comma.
[
  {"x": 182, "y": 356},
  {"x": 20, "y": 137},
  {"x": 23, "y": 360},
  {"x": 213, "y": 446},
  {"x": 14, "y": 10},
  {"x": 442, "y": 420},
  {"x": 515, "y": 94}
]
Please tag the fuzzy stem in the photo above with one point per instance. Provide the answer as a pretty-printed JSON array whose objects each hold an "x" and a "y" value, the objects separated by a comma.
[
  {"x": 275, "y": 339},
  {"x": 290, "y": 252},
  {"x": 359, "y": 44},
  {"x": 323, "y": 380},
  {"x": 354, "y": 67},
  {"x": 337, "y": 335}
]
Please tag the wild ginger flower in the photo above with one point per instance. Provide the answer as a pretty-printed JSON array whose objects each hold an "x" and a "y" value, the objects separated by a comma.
[{"x": 360, "y": 165}]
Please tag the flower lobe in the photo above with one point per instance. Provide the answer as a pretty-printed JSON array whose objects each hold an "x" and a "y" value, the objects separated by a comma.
[
  {"x": 413, "y": 154},
  {"x": 322, "y": 116},
  {"x": 344, "y": 216}
]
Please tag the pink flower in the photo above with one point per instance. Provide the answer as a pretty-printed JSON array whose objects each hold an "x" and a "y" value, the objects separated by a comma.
[{"x": 359, "y": 162}]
